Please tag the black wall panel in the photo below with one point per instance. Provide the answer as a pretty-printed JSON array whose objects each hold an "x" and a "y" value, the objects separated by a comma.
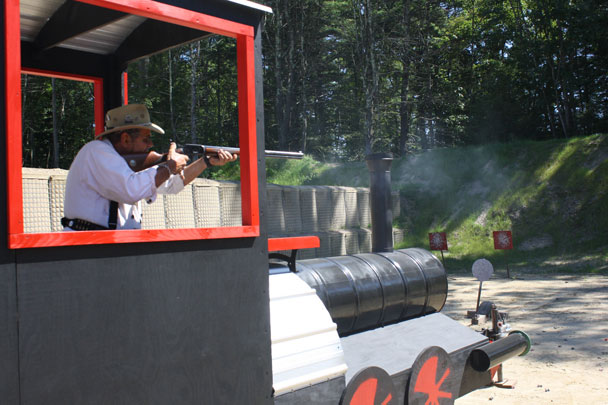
[
  {"x": 184, "y": 327},
  {"x": 9, "y": 370}
]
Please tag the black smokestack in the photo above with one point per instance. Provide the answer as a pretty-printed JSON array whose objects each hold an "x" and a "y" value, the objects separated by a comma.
[{"x": 379, "y": 165}]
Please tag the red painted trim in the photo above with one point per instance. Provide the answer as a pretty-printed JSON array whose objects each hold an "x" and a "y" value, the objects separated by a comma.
[
  {"x": 99, "y": 113},
  {"x": 125, "y": 88},
  {"x": 296, "y": 242},
  {"x": 25, "y": 240},
  {"x": 176, "y": 15},
  {"x": 247, "y": 130},
  {"x": 60, "y": 75},
  {"x": 12, "y": 53},
  {"x": 97, "y": 90}
]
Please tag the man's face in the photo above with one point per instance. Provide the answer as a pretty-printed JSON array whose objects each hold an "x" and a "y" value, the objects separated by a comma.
[{"x": 141, "y": 142}]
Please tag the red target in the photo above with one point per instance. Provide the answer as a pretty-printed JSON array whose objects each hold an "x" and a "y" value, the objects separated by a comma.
[
  {"x": 502, "y": 240},
  {"x": 438, "y": 241}
]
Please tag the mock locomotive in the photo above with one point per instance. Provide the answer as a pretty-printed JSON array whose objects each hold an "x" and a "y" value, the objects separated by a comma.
[{"x": 194, "y": 312}]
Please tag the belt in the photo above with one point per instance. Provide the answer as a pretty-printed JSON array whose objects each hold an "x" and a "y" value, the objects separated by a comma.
[{"x": 81, "y": 225}]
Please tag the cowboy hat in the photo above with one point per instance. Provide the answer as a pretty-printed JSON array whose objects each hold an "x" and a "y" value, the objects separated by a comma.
[{"x": 129, "y": 116}]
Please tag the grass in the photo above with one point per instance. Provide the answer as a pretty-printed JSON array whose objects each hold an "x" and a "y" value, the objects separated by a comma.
[{"x": 552, "y": 195}]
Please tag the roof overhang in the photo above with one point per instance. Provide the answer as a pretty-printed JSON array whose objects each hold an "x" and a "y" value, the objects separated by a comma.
[{"x": 71, "y": 27}]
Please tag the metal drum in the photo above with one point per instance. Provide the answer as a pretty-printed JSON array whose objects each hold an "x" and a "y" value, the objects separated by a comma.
[{"x": 368, "y": 290}]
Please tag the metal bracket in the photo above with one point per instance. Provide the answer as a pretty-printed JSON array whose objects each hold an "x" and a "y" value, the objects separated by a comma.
[{"x": 291, "y": 260}]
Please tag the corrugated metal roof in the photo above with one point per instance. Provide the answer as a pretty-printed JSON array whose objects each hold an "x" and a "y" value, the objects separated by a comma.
[
  {"x": 34, "y": 14},
  {"x": 104, "y": 40}
]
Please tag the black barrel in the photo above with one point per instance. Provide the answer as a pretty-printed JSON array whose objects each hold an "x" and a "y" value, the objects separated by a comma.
[
  {"x": 368, "y": 290},
  {"x": 499, "y": 351}
]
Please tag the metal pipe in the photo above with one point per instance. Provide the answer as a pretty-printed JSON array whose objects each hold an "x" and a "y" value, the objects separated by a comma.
[
  {"x": 379, "y": 165},
  {"x": 497, "y": 352}
]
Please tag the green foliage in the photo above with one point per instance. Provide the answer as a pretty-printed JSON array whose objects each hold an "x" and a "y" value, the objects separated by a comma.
[
  {"x": 291, "y": 172},
  {"x": 73, "y": 117},
  {"x": 278, "y": 171},
  {"x": 552, "y": 195},
  {"x": 191, "y": 91},
  {"x": 414, "y": 74},
  {"x": 343, "y": 77}
]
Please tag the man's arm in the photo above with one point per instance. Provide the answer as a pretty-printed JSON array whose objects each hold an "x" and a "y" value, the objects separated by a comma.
[{"x": 194, "y": 169}]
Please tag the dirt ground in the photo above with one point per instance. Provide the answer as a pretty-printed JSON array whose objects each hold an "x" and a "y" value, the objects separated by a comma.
[{"x": 567, "y": 319}]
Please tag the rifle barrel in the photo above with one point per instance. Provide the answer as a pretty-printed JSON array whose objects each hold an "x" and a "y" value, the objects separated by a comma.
[{"x": 197, "y": 148}]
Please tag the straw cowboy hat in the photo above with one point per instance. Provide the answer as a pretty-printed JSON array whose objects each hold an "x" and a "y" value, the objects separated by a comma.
[{"x": 129, "y": 116}]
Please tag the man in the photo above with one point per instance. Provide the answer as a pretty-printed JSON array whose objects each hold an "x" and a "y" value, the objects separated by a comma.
[{"x": 102, "y": 192}]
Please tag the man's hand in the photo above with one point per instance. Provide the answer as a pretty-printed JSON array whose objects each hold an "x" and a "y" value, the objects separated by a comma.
[
  {"x": 222, "y": 158},
  {"x": 176, "y": 161}
]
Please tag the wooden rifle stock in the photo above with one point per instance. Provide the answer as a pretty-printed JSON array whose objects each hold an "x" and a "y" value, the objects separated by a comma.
[{"x": 141, "y": 161}]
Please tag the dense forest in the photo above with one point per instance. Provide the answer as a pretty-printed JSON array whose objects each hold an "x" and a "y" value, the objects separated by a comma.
[{"x": 343, "y": 78}]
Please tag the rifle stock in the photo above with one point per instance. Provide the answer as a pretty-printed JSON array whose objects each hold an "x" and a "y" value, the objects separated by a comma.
[{"x": 141, "y": 161}]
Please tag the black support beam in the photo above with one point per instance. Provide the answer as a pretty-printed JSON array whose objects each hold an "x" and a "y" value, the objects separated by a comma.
[
  {"x": 72, "y": 19},
  {"x": 63, "y": 60},
  {"x": 152, "y": 37}
]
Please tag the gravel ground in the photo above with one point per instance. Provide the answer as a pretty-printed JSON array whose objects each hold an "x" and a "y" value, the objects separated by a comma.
[{"x": 567, "y": 319}]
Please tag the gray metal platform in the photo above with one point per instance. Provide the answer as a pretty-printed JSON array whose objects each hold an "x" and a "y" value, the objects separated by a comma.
[{"x": 395, "y": 347}]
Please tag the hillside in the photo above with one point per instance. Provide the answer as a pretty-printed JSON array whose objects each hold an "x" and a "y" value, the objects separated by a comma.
[{"x": 552, "y": 195}]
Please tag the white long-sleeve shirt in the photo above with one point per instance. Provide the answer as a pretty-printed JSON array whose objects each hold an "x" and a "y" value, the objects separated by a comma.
[{"x": 99, "y": 174}]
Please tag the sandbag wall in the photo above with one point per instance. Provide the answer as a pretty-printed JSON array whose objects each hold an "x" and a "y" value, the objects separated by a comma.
[
  {"x": 339, "y": 216},
  {"x": 365, "y": 291}
]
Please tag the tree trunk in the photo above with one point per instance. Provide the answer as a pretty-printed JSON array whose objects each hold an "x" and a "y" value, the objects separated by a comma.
[
  {"x": 404, "y": 107},
  {"x": 55, "y": 137},
  {"x": 304, "y": 75},
  {"x": 194, "y": 55},
  {"x": 171, "y": 110},
  {"x": 278, "y": 75},
  {"x": 369, "y": 73}
]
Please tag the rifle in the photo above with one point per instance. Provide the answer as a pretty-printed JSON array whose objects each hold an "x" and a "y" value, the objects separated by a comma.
[{"x": 141, "y": 161}]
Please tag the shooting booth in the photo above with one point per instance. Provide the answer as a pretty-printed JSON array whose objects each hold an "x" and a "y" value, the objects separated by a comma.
[{"x": 141, "y": 316}]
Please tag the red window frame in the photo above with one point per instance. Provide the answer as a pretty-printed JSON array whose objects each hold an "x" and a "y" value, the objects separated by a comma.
[{"x": 247, "y": 129}]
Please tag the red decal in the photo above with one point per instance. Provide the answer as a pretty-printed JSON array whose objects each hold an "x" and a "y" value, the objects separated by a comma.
[
  {"x": 426, "y": 382},
  {"x": 366, "y": 393}
]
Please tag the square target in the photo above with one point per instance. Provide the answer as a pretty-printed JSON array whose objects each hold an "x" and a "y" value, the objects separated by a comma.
[
  {"x": 438, "y": 241},
  {"x": 502, "y": 240}
]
